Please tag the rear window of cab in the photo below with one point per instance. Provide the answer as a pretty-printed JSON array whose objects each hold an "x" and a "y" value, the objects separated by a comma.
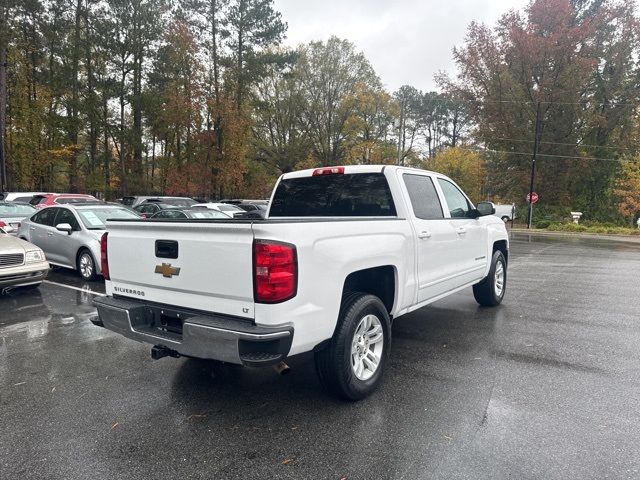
[{"x": 340, "y": 195}]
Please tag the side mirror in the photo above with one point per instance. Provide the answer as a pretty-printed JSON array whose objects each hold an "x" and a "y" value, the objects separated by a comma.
[
  {"x": 486, "y": 208},
  {"x": 64, "y": 227}
]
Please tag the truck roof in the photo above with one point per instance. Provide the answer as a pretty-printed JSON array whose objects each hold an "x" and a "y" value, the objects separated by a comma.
[{"x": 350, "y": 169}]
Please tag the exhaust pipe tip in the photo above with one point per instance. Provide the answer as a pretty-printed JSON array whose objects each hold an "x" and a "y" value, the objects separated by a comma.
[{"x": 282, "y": 368}]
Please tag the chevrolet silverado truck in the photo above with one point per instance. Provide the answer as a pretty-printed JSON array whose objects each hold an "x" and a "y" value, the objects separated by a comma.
[{"x": 342, "y": 251}]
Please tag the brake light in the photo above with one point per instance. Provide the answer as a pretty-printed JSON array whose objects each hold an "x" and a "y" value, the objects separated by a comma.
[
  {"x": 2, "y": 224},
  {"x": 275, "y": 267},
  {"x": 328, "y": 171},
  {"x": 104, "y": 261}
]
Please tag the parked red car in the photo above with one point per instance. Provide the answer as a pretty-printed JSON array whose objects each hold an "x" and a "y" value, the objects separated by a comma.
[{"x": 47, "y": 199}]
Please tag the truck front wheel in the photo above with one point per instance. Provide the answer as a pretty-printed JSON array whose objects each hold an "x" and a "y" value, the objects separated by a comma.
[
  {"x": 351, "y": 366},
  {"x": 490, "y": 291}
]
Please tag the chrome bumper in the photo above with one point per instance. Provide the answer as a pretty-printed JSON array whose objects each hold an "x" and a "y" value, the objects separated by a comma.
[
  {"x": 194, "y": 334},
  {"x": 23, "y": 275}
]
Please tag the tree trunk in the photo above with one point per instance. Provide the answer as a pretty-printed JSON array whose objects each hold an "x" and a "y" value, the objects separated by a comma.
[{"x": 75, "y": 125}]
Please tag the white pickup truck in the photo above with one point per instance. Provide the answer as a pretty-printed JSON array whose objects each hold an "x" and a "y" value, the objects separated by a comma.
[{"x": 341, "y": 252}]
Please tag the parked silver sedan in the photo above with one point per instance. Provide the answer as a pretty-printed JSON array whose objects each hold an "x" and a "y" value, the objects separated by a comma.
[
  {"x": 70, "y": 234},
  {"x": 21, "y": 263},
  {"x": 11, "y": 214}
]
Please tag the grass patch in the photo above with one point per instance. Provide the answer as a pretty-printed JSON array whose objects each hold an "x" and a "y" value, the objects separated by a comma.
[{"x": 590, "y": 228}]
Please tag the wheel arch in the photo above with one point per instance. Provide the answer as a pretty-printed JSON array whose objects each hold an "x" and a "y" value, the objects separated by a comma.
[
  {"x": 379, "y": 281},
  {"x": 96, "y": 264},
  {"x": 502, "y": 246}
]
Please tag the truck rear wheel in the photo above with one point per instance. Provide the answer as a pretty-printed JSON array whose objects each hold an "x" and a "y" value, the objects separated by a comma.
[
  {"x": 490, "y": 291},
  {"x": 351, "y": 366}
]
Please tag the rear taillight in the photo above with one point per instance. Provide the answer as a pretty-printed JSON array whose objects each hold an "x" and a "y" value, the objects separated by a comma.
[
  {"x": 328, "y": 171},
  {"x": 275, "y": 268},
  {"x": 104, "y": 261},
  {"x": 2, "y": 224}
]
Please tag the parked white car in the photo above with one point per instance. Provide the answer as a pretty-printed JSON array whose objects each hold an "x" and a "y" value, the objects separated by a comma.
[
  {"x": 227, "y": 208},
  {"x": 22, "y": 264},
  {"x": 342, "y": 252},
  {"x": 506, "y": 212}
]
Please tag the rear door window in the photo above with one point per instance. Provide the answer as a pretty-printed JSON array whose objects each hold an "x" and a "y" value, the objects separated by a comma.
[
  {"x": 341, "y": 195},
  {"x": 46, "y": 216},
  {"x": 424, "y": 198}
]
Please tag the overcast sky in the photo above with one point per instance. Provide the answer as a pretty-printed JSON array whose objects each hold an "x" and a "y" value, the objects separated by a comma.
[{"x": 406, "y": 41}]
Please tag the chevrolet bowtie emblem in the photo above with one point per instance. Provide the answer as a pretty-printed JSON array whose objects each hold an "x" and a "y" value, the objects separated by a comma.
[{"x": 167, "y": 270}]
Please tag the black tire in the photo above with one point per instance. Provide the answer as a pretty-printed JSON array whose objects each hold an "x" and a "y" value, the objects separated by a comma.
[
  {"x": 485, "y": 292},
  {"x": 334, "y": 362},
  {"x": 86, "y": 274}
]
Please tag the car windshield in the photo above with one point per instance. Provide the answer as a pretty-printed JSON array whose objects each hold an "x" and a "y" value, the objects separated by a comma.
[
  {"x": 207, "y": 214},
  {"x": 15, "y": 209},
  {"x": 95, "y": 218},
  {"x": 67, "y": 200},
  {"x": 180, "y": 202},
  {"x": 229, "y": 208}
]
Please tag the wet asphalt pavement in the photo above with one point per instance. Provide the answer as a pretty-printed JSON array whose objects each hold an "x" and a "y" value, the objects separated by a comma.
[{"x": 545, "y": 386}]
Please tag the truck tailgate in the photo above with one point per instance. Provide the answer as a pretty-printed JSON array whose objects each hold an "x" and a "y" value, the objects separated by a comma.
[{"x": 201, "y": 266}]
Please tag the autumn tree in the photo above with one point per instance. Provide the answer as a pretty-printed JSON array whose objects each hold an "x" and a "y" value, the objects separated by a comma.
[
  {"x": 574, "y": 58},
  {"x": 628, "y": 190},
  {"x": 330, "y": 73},
  {"x": 466, "y": 168}
]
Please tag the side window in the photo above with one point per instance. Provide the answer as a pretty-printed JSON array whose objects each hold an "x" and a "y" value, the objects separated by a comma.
[
  {"x": 46, "y": 216},
  {"x": 66, "y": 216},
  {"x": 458, "y": 205},
  {"x": 423, "y": 195},
  {"x": 148, "y": 208}
]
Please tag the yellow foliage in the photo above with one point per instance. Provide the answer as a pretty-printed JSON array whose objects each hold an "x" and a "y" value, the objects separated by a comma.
[
  {"x": 628, "y": 188},
  {"x": 465, "y": 167}
]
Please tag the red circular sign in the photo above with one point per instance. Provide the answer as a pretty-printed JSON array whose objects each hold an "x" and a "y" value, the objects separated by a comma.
[{"x": 532, "y": 197}]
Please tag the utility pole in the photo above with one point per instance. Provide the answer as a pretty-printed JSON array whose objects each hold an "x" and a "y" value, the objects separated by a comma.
[
  {"x": 533, "y": 162},
  {"x": 4, "y": 38},
  {"x": 400, "y": 133}
]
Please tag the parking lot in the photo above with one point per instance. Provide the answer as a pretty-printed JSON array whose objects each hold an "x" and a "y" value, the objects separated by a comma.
[{"x": 545, "y": 386}]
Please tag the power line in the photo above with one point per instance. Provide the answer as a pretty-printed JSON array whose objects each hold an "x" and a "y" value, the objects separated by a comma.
[
  {"x": 561, "y": 143},
  {"x": 551, "y": 102},
  {"x": 545, "y": 155}
]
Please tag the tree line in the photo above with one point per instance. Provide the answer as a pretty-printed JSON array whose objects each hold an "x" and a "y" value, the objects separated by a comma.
[
  {"x": 200, "y": 97},
  {"x": 195, "y": 97}
]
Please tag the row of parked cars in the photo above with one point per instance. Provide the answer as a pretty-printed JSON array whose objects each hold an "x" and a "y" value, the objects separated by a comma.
[{"x": 38, "y": 229}]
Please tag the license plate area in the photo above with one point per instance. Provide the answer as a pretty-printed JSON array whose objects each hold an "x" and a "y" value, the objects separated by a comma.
[{"x": 160, "y": 322}]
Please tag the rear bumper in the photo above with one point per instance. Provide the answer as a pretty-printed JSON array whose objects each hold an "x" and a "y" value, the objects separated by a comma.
[{"x": 194, "y": 334}]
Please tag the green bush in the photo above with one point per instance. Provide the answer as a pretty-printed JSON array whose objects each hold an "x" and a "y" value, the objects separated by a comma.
[{"x": 591, "y": 227}]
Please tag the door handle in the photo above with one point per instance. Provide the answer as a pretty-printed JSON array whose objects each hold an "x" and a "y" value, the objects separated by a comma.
[
  {"x": 461, "y": 230},
  {"x": 32, "y": 228},
  {"x": 49, "y": 234},
  {"x": 424, "y": 234}
]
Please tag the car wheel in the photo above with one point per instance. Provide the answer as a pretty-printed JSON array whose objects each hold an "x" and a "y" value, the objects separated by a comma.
[
  {"x": 86, "y": 265},
  {"x": 505, "y": 219},
  {"x": 490, "y": 291},
  {"x": 352, "y": 364}
]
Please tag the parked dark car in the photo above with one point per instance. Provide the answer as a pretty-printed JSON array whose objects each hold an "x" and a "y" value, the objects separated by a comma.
[{"x": 147, "y": 209}]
